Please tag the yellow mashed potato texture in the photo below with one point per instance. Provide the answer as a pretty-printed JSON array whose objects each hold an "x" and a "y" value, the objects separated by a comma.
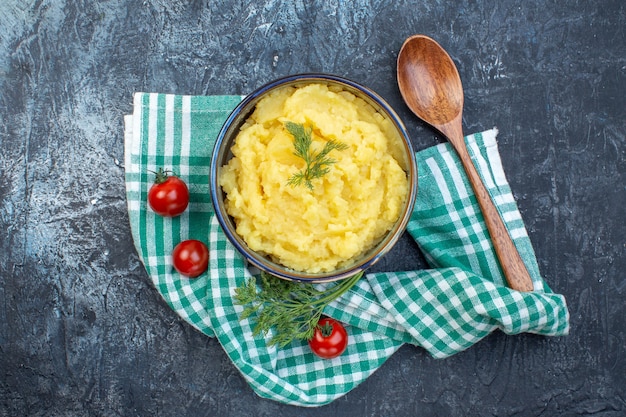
[{"x": 348, "y": 210}]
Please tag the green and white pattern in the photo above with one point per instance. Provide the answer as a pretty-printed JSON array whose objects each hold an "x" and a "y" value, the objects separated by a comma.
[{"x": 445, "y": 309}]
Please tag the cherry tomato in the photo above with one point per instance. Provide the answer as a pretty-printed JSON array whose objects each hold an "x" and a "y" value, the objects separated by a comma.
[
  {"x": 169, "y": 195},
  {"x": 190, "y": 258},
  {"x": 330, "y": 338}
]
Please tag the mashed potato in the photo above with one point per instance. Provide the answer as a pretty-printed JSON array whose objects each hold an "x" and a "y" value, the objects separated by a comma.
[{"x": 348, "y": 210}]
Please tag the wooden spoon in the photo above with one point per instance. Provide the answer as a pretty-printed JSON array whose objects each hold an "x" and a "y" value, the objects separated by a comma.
[{"x": 431, "y": 87}]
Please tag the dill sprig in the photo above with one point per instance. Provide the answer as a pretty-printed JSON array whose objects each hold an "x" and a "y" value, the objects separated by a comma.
[
  {"x": 291, "y": 309},
  {"x": 317, "y": 164}
]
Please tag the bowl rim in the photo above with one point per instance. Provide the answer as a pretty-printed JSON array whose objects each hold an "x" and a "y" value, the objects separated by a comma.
[{"x": 260, "y": 261}]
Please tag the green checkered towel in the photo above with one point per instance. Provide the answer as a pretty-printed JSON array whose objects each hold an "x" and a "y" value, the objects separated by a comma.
[{"x": 444, "y": 309}]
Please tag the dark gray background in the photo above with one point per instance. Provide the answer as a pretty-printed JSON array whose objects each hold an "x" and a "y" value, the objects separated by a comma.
[{"x": 84, "y": 333}]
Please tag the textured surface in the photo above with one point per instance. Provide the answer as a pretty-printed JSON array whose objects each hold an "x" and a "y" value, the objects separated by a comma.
[{"x": 83, "y": 332}]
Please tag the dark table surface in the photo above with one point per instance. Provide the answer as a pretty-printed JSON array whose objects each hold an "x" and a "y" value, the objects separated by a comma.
[{"x": 84, "y": 333}]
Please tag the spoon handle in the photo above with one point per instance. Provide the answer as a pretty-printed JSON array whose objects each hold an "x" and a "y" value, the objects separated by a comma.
[{"x": 515, "y": 271}]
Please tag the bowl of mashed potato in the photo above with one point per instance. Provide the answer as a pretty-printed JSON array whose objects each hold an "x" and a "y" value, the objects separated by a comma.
[{"x": 313, "y": 178}]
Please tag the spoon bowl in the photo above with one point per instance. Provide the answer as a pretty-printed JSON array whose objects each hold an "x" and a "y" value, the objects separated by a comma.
[
  {"x": 429, "y": 82},
  {"x": 431, "y": 87}
]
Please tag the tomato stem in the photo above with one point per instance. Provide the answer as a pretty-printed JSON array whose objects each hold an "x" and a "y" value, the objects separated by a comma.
[
  {"x": 162, "y": 175},
  {"x": 326, "y": 329}
]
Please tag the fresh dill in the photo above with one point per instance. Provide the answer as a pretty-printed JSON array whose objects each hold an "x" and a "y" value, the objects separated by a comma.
[
  {"x": 291, "y": 309},
  {"x": 317, "y": 163}
]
